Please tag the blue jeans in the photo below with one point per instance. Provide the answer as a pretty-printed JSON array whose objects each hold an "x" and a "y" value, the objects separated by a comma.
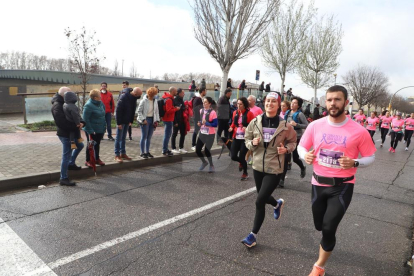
[
  {"x": 108, "y": 119},
  {"x": 146, "y": 134},
  {"x": 168, "y": 126},
  {"x": 68, "y": 155},
  {"x": 120, "y": 140}
]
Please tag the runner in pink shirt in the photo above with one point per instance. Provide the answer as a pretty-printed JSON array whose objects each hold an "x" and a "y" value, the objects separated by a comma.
[
  {"x": 207, "y": 133},
  {"x": 347, "y": 114},
  {"x": 336, "y": 143},
  {"x": 385, "y": 126},
  {"x": 252, "y": 106},
  {"x": 372, "y": 123},
  {"x": 409, "y": 129},
  {"x": 397, "y": 125},
  {"x": 360, "y": 117}
]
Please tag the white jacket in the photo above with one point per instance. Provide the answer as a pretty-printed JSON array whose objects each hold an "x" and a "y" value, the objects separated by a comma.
[{"x": 143, "y": 110}]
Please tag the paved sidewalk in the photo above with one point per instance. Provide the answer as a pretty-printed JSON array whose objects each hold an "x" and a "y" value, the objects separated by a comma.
[{"x": 24, "y": 153}]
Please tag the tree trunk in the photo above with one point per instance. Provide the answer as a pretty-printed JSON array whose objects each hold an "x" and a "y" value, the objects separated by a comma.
[
  {"x": 224, "y": 80},
  {"x": 281, "y": 86}
]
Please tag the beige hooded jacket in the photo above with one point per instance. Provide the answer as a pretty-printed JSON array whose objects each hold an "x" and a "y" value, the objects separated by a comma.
[{"x": 268, "y": 160}]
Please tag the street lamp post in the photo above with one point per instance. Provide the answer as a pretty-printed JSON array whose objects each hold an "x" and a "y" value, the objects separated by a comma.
[{"x": 389, "y": 106}]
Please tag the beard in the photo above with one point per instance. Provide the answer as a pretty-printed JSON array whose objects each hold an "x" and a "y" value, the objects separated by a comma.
[{"x": 338, "y": 113}]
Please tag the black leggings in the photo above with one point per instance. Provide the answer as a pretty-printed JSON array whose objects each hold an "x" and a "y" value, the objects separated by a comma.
[
  {"x": 223, "y": 125},
  {"x": 238, "y": 153},
  {"x": 329, "y": 205},
  {"x": 196, "y": 130},
  {"x": 372, "y": 132},
  {"x": 182, "y": 128},
  {"x": 384, "y": 132},
  {"x": 296, "y": 159},
  {"x": 395, "y": 137},
  {"x": 265, "y": 185},
  {"x": 408, "y": 134},
  {"x": 130, "y": 131},
  {"x": 207, "y": 140}
]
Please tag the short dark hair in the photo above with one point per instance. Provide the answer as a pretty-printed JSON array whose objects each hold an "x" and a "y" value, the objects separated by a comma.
[
  {"x": 179, "y": 90},
  {"x": 202, "y": 89},
  {"x": 104, "y": 83},
  {"x": 245, "y": 102},
  {"x": 125, "y": 82},
  {"x": 338, "y": 88},
  {"x": 228, "y": 90},
  {"x": 299, "y": 99}
]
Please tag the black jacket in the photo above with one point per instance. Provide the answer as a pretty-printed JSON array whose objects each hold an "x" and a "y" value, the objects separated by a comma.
[
  {"x": 64, "y": 127},
  {"x": 197, "y": 106},
  {"x": 261, "y": 87},
  {"x": 316, "y": 113},
  {"x": 223, "y": 108},
  {"x": 178, "y": 116},
  {"x": 267, "y": 87},
  {"x": 125, "y": 109}
]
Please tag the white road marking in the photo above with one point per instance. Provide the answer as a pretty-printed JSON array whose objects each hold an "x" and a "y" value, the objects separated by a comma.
[
  {"x": 16, "y": 256},
  {"x": 133, "y": 235}
]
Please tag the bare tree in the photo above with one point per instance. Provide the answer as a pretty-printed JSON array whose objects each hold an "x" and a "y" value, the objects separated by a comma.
[
  {"x": 231, "y": 29},
  {"x": 365, "y": 84},
  {"x": 320, "y": 56},
  {"x": 382, "y": 99},
  {"x": 83, "y": 54},
  {"x": 133, "y": 71},
  {"x": 284, "y": 43}
]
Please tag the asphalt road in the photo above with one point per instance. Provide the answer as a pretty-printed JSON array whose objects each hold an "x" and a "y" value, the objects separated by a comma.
[{"x": 101, "y": 226}]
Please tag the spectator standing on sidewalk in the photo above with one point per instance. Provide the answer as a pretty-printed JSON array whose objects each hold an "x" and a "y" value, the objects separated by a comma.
[
  {"x": 125, "y": 113},
  {"x": 289, "y": 94},
  {"x": 229, "y": 85},
  {"x": 148, "y": 118},
  {"x": 168, "y": 118},
  {"x": 64, "y": 127},
  {"x": 261, "y": 89},
  {"x": 268, "y": 87},
  {"x": 316, "y": 115},
  {"x": 224, "y": 114},
  {"x": 94, "y": 116},
  {"x": 203, "y": 84},
  {"x": 197, "y": 106},
  {"x": 108, "y": 101},
  {"x": 179, "y": 124},
  {"x": 242, "y": 87},
  {"x": 126, "y": 89}
]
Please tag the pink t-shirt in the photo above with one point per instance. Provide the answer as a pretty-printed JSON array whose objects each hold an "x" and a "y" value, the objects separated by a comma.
[
  {"x": 349, "y": 116},
  {"x": 208, "y": 129},
  {"x": 397, "y": 125},
  {"x": 360, "y": 119},
  {"x": 282, "y": 114},
  {"x": 331, "y": 142},
  {"x": 372, "y": 123},
  {"x": 409, "y": 124},
  {"x": 256, "y": 111},
  {"x": 386, "y": 121}
]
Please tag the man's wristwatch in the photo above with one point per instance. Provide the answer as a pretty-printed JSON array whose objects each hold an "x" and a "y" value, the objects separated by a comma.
[{"x": 356, "y": 164}]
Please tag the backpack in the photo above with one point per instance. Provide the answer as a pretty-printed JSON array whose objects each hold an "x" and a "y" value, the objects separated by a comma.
[
  {"x": 240, "y": 86},
  {"x": 161, "y": 106}
]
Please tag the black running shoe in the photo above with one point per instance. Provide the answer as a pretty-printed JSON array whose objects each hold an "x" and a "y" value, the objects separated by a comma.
[{"x": 150, "y": 155}]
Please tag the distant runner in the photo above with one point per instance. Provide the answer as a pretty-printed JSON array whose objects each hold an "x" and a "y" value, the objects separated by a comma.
[
  {"x": 409, "y": 129},
  {"x": 336, "y": 141},
  {"x": 360, "y": 117},
  {"x": 385, "y": 126},
  {"x": 372, "y": 123},
  {"x": 397, "y": 125}
]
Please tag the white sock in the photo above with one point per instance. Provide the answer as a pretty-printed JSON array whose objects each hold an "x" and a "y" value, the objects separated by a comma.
[{"x": 319, "y": 266}]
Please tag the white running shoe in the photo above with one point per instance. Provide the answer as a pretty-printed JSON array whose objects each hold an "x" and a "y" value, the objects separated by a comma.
[
  {"x": 175, "y": 151},
  {"x": 183, "y": 151},
  {"x": 193, "y": 148},
  {"x": 406, "y": 149}
]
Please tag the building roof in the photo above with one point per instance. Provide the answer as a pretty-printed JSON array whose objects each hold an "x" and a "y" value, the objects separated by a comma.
[{"x": 69, "y": 77}]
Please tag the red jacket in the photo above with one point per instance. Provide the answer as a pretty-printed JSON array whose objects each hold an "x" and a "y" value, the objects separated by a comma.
[
  {"x": 234, "y": 125},
  {"x": 169, "y": 108},
  {"x": 108, "y": 101}
]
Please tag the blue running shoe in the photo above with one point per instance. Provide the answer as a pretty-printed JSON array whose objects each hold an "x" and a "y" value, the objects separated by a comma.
[
  {"x": 249, "y": 241},
  {"x": 278, "y": 211},
  {"x": 203, "y": 166}
]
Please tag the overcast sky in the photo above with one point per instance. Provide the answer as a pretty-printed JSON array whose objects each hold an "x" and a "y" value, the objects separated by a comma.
[{"x": 158, "y": 36}]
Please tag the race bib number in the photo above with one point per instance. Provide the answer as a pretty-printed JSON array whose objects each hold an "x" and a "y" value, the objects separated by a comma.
[
  {"x": 330, "y": 158},
  {"x": 240, "y": 134},
  {"x": 370, "y": 125},
  {"x": 204, "y": 130},
  {"x": 268, "y": 133},
  {"x": 411, "y": 126},
  {"x": 396, "y": 129},
  {"x": 385, "y": 124}
]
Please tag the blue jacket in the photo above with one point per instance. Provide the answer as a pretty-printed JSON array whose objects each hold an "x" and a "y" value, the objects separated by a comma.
[
  {"x": 94, "y": 116},
  {"x": 125, "y": 109}
]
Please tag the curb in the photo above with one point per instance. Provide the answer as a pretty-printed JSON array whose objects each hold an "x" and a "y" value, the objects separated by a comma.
[{"x": 34, "y": 180}]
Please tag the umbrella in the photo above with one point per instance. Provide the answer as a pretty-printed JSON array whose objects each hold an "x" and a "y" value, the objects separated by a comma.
[
  {"x": 91, "y": 149},
  {"x": 225, "y": 143}
]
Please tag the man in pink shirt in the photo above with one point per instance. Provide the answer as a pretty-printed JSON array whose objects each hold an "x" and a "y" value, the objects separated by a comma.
[
  {"x": 385, "y": 126},
  {"x": 360, "y": 117},
  {"x": 336, "y": 143},
  {"x": 252, "y": 106}
]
